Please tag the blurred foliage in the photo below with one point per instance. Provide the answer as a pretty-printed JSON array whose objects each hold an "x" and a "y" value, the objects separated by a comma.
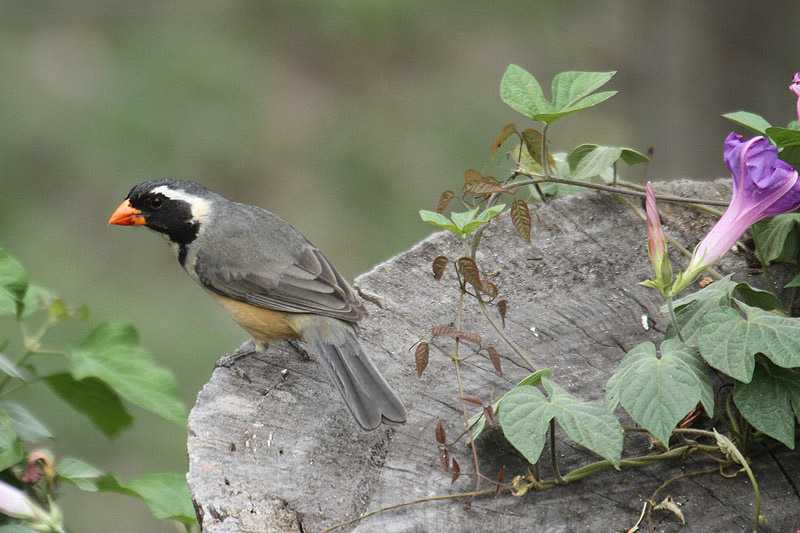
[{"x": 342, "y": 117}]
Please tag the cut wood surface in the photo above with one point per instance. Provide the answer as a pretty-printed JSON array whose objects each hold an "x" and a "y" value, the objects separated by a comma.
[{"x": 272, "y": 447}]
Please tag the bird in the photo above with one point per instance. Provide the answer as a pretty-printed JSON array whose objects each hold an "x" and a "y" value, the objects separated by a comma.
[{"x": 270, "y": 279}]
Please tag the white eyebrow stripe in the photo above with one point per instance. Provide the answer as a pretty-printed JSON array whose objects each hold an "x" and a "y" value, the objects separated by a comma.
[{"x": 200, "y": 206}]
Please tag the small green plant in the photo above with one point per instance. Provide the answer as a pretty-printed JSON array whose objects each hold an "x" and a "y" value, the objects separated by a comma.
[
  {"x": 743, "y": 333},
  {"x": 96, "y": 377}
]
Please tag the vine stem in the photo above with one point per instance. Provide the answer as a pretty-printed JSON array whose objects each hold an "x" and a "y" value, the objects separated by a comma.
[
  {"x": 674, "y": 319},
  {"x": 575, "y": 475},
  {"x": 504, "y": 335},
  {"x": 535, "y": 178}
]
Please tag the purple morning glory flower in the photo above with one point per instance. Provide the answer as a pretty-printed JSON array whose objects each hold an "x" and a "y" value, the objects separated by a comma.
[
  {"x": 795, "y": 88},
  {"x": 763, "y": 186}
]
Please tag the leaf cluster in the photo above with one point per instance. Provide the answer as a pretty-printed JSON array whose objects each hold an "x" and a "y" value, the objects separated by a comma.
[
  {"x": 729, "y": 328},
  {"x": 98, "y": 376}
]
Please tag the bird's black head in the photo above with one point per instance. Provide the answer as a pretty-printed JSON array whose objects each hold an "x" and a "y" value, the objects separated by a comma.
[{"x": 175, "y": 208}]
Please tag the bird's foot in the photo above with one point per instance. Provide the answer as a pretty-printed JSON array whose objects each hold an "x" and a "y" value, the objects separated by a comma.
[
  {"x": 300, "y": 347},
  {"x": 248, "y": 348}
]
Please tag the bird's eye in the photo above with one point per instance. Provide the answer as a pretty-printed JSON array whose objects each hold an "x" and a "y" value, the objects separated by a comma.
[{"x": 156, "y": 202}]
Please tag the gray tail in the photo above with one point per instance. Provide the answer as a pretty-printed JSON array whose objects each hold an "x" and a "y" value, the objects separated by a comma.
[{"x": 365, "y": 392}]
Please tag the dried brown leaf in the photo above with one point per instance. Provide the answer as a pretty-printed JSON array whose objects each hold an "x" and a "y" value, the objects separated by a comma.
[
  {"x": 441, "y": 434},
  {"x": 439, "y": 264},
  {"x": 508, "y": 131},
  {"x": 421, "y": 357},
  {"x": 521, "y": 218},
  {"x": 444, "y": 200},
  {"x": 495, "y": 358}
]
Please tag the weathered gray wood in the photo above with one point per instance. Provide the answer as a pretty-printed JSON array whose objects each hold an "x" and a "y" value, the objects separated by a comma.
[{"x": 272, "y": 448}]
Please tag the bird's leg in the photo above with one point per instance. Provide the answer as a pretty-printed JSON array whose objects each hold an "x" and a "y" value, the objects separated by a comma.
[
  {"x": 300, "y": 347},
  {"x": 248, "y": 348}
]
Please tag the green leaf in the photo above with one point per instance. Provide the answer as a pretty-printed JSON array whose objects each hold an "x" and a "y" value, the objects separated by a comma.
[
  {"x": 525, "y": 418},
  {"x": 782, "y": 137},
  {"x": 632, "y": 157},
  {"x": 589, "y": 160},
  {"x": 691, "y": 310},
  {"x": 79, "y": 473},
  {"x": 483, "y": 217},
  {"x": 572, "y": 89},
  {"x": 112, "y": 353},
  {"x": 751, "y": 121},
  {"x": 589, "y": 101},
  {"x": 771, "y": 401},
  {"x": 589, "y": 424},
  {"x": 25, "y": 424},
  {"x": 17, "y": 528},
  {"x": 520, "y": 90},
  {"x": 478, "y": 422},
  {"x": 13, "y": 285},
  {"x": 10, "y": 446},
  {"x": 791, "y": 155},
  {"x": 439, "y": 220},
  {"x": 36, "y": 298},
  {"x": 757, "y": 298},
  {"x": 462, "y": 218},
  {"x": 95, "y": 399},
  {"x": 8, "y": 367},
  {"x": 659, "y": 391},
  {"x": 776, "y": 238},
  {"x": 729, "y": 342},
  {"x": 165, "y": 493}
]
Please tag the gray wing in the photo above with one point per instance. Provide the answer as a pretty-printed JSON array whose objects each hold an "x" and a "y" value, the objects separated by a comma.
[{"x": 278, "y": 269}]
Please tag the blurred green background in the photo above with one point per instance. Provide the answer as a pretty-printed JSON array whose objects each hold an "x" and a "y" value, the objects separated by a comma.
[{"x": 344, "y": 117}]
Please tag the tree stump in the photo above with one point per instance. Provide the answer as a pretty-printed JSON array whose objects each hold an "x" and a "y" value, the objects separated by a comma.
[{"x": 272, "y": 447}]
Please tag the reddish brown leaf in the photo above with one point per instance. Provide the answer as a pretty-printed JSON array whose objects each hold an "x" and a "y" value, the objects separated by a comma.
[
  {"x": 421, "y": 357},
  {"x": 472, "y": 401},
  {"x": 501, "y": 477},
  {"x": 495, "y": 357},
  {"x": 471, "y": 174},
  {"x": 508, "y": 131},
  {"x": 488, "y": 412},
  {"x": 469, "y": 271},
  {"x": 441, "y": 435},
  {"x": 488, "y": 288},
  {"x": 443, "y": 331},
  {"x": 447, "y": 331},
  {"x": 444, "y": 200},
  {"x": 439, "y": 264},
  {"x": 502, "y": 307},
  {"x": 444, "y": 459},
  {"x": 456, "y": 471},
  {"x": 521, "y": 218},
  {"x": 484, "y": 185}
]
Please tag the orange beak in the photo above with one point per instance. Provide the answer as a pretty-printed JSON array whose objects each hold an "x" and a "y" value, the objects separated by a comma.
[{"x": 126, "y": 215}]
